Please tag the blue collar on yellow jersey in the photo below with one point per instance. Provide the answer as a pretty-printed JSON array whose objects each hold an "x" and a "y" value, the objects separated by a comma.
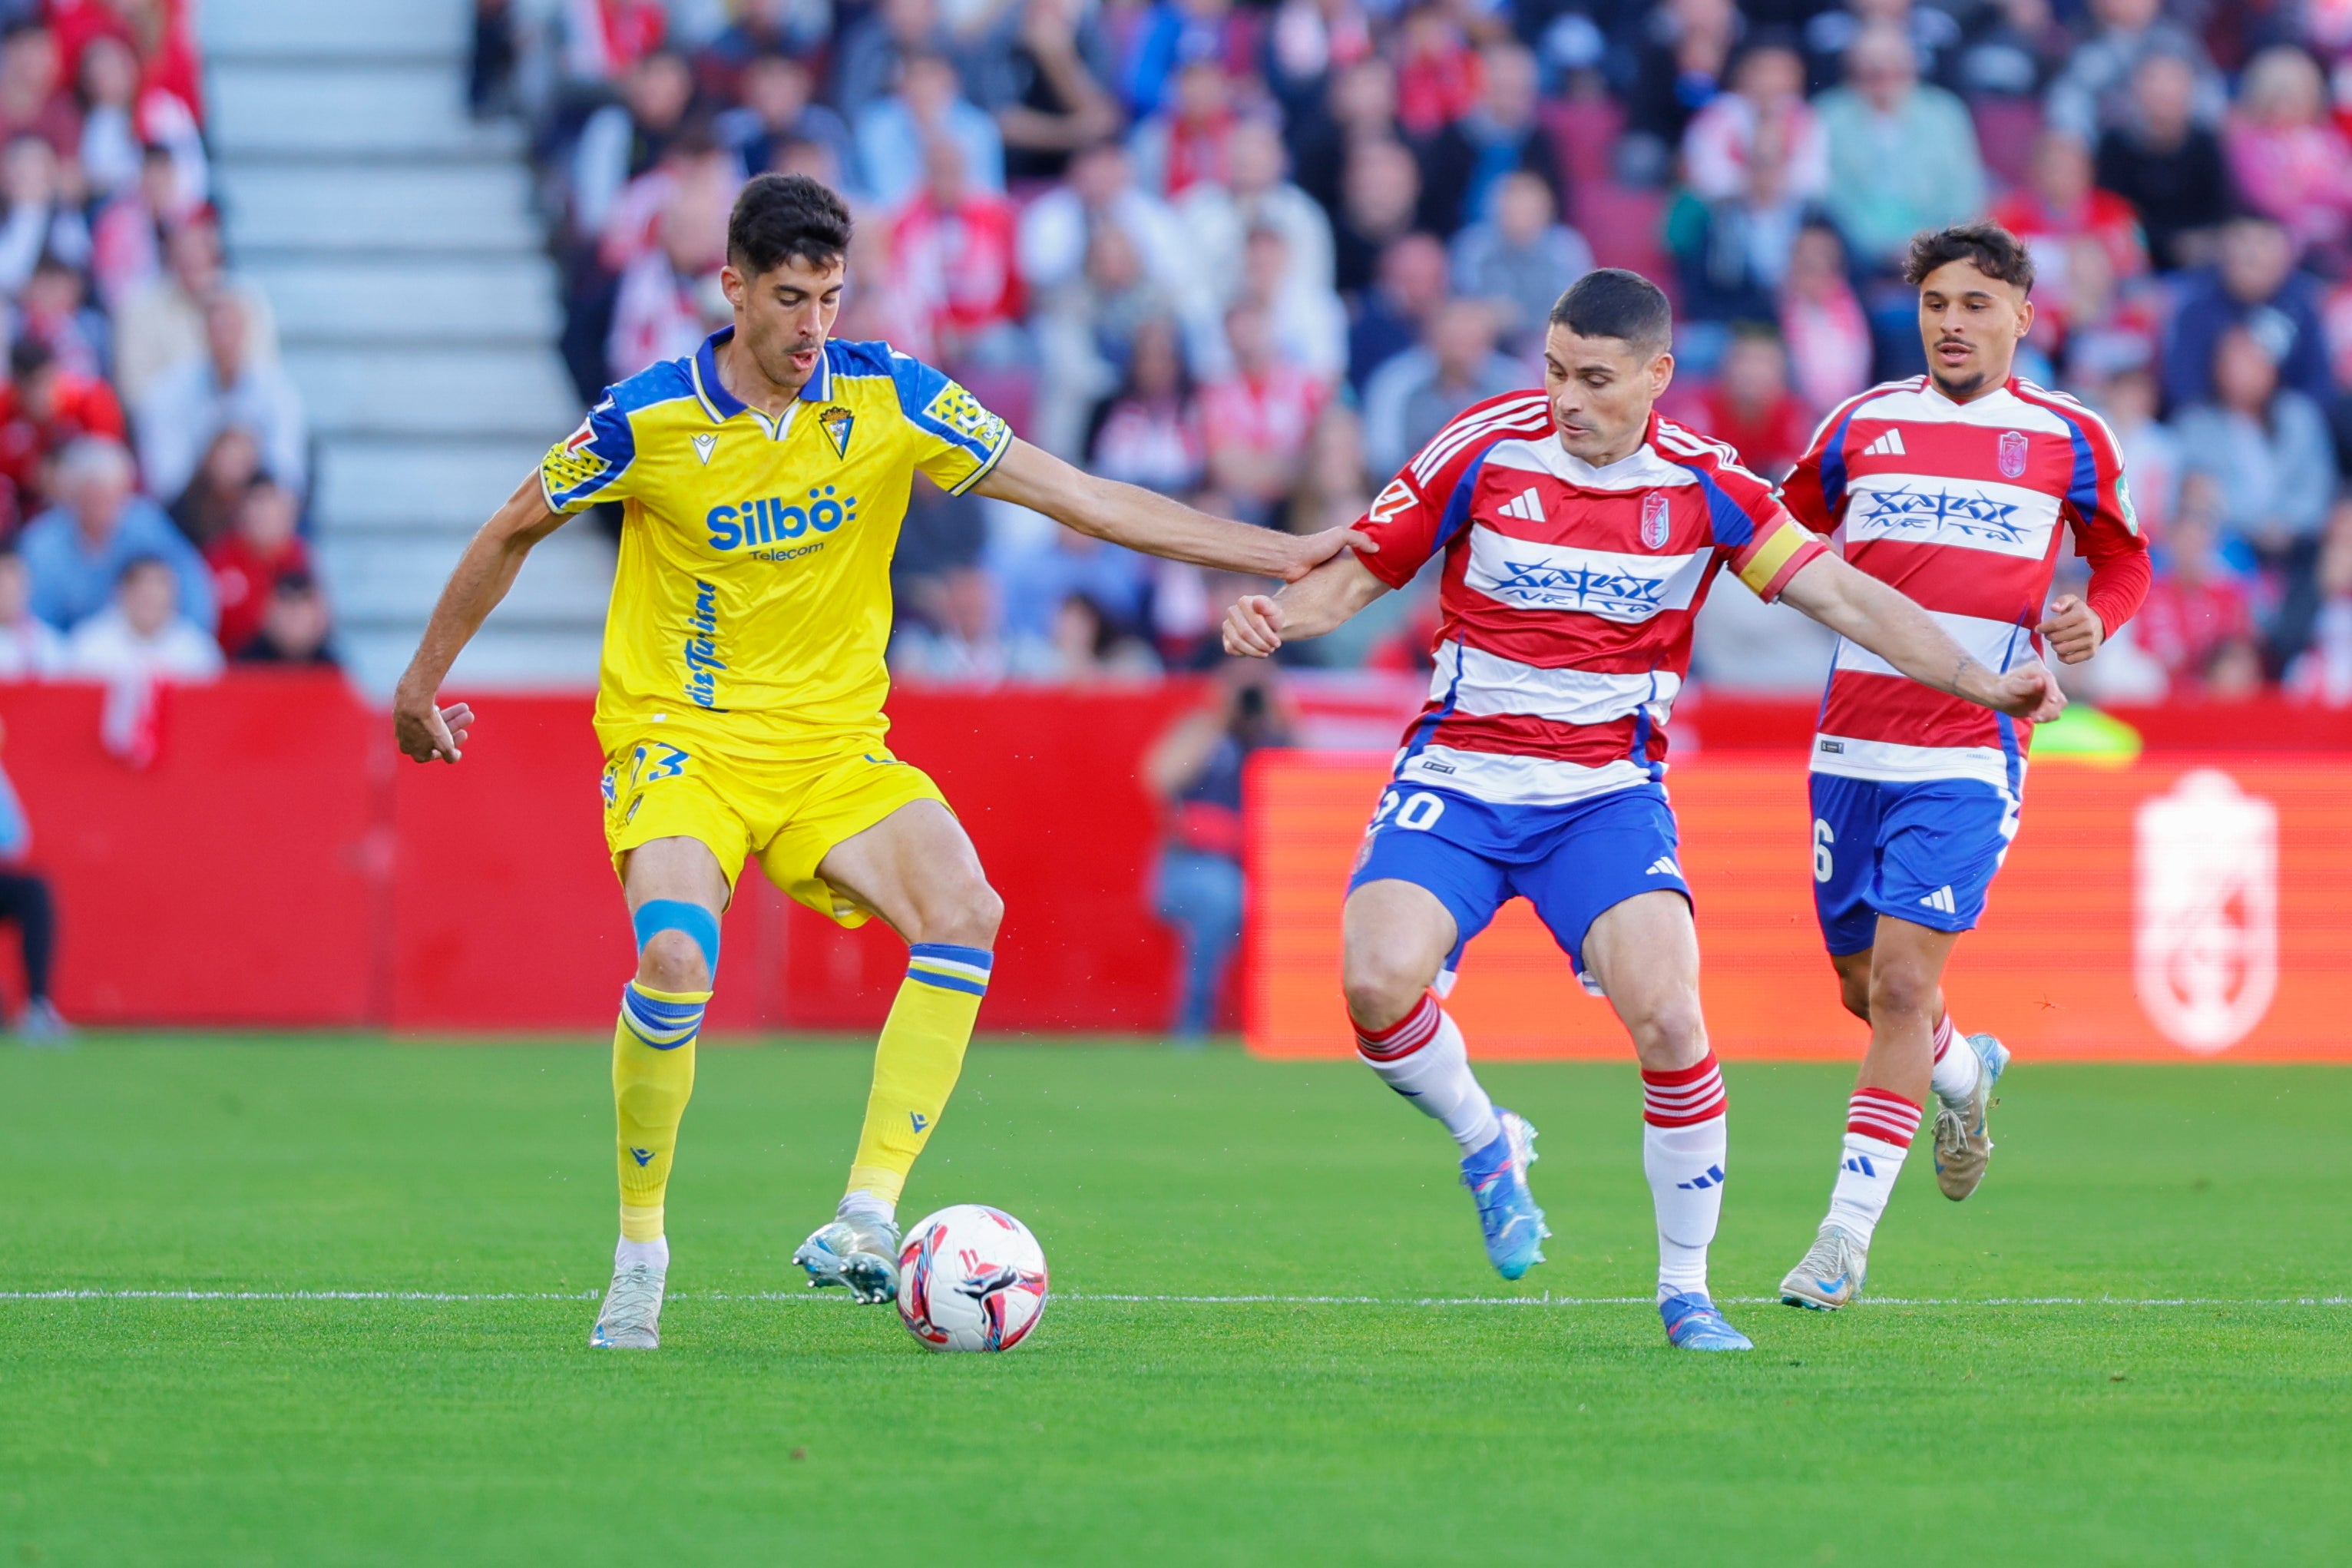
[{"x": 722, "y": 404}]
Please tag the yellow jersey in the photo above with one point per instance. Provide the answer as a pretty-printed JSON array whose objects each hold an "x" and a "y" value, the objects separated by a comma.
[{"x": 751, "y": 605}]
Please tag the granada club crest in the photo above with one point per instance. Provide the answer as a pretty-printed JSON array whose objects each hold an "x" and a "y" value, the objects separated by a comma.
[
  {"x": 2013, "y": 454},
  {"x": 1653, "y": 520},
  {"x": 2205, "y": 918}
]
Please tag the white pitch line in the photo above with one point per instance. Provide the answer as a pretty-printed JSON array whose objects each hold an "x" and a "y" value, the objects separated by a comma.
[{"x": 816, "y": 1299}]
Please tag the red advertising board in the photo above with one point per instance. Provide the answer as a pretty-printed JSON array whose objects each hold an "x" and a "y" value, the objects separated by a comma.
[{"x": 2175, "y": 907}]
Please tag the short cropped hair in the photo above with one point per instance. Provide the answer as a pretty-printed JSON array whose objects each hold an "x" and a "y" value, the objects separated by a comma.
[
  {"x": 781, "y": 216},
  {"x": 1989, "y": 248},
  {"x": 1611, "y": 302}
]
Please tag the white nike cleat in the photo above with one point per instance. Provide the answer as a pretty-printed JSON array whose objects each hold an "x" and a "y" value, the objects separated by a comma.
[
  {"x": 1963, "y": 1139},
  {"x": 859, "y": 1252},
  {"x": 1832, "y": 1273},
  {"x": 630, "y": 1318}
]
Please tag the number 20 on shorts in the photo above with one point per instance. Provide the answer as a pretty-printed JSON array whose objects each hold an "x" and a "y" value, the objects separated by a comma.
[{"x": 1418, "y": 811}]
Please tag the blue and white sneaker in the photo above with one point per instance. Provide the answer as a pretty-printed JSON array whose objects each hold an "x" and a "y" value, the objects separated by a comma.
[
  {"x": 1497, "y": 1177},
  {"x": 1963, "y": 1138},
  {"x": 857, "y": 1251},
  {"x": 1832, "y": 1273},
  {"x": 1694, "y": 1324}
]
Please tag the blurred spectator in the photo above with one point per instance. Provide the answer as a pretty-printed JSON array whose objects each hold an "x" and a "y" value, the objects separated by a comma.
[
  {"x": 669, "y": 296},
  {"x": 2012, "y": 53},
  {"x": 1393, "y": 316},
  {"x": 604, "y": 39},
  {"x": 941, "y": 534},
  {"x": 1308, "y": 323},
  {"x": 1409, "y": 399},
  {"x": 78, "y": 547},
  {"x": 953, "y": 260},
  {"x": 623, "y": 139},
  {"x": 1063, "y": 562},
  {"x": 2286, "y": 156},
  {"x": 1358, "y": 107},
  {"x": 1148, "y": 431},
  {"x": 2151, "y": 453},
  {"x": 1903, "y": 155},
  {"x": 2267, "y": 451},
  {"x": 2324, "y": 674},
  {"x": 1334, "y": 482},
  {"x": 247, "y": 563},
  {"x": 2253, "y": 284},
  {"x": 1932, "y": 32},
  {"x": 2197, "y": 609},
  {"x": 1381, "y": 191},
  {"x": 1194, "y": 771},
  {"x": 955, "y": 633},
  {"x": 1217, "y": 219},
  {"x": 1463, "y": 162},
  {"x": 1821, "y": 322},
  {"x": 33, "y": 97},
  {"x": 207, "y": 509},
  {"x": 1438, "y": 76},
  {"x": 1172, "y": 32},
  {"x": 763, "y": 30},
  {"x": 1685, "y": 47},
  {"x": 1086, "y": 332},
  {"x": 1057, "y": 227},
  {"x": 1190, "y": 140},
  {"x": 2058, "y": 204},
  {"x": 1256, "y": 418},
  {"x": 295, "y": 627},
  {"x": 1519, "y": 259},
  {"x": 128, "y": 236},
  {"x": 43, "y": 218},
  {"x": 929, "y": 106},
  {"x": 45, "y": 408},
  {"x": 1750, "y": 407},
  {"x": 2094, "y": 93},
  {"x": 2100, "y": 327},
  {"x": 187, "y": 406},
  {"x": 1055, "y": 98},
  {"x": 26, "y": 902},
  {"x": 30, "y": 648},
  {"x": 54, "y": 310},
  {"x": 872, "y": 50},
  {"x": 778, "y": 107},
  {"x": 140, "y": 636},
  {"x": 1767, "y": 102},
  {"x": 2166, "y": 165},
  {"x": 1088, "y": 644},
  {"x": 163, "y": 325},
  {"x": 121, "y": 120}
]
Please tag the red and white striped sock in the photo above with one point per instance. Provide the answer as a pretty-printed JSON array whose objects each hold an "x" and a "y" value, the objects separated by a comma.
[
  {"x": 1422, "y": 1056},
  {"x": 1683, "y": 1143},
  {"x": 1956, "y": 1067},
  {"x": 1879, "y": 1127}
]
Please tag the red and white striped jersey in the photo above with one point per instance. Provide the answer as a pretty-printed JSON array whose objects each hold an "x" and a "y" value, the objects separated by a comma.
[
  {"x": 1959, "y": 505},
  {"x": 1568, "y": 594}
]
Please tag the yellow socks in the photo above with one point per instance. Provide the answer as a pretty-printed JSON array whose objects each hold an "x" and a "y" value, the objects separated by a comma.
[
  {"x": 653, "y": 1078},
  {"x": 915, "y": 1062}
]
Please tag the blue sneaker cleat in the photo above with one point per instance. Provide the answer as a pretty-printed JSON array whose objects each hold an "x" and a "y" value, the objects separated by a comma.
[
  {"x": 1497, "y": 1177},
  {"x": 1694, "y": 1324}
]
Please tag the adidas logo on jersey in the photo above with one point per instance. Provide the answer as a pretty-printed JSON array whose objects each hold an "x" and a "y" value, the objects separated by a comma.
[
  {"x": 1889, "y": 445},
  {"x": 1941, "y": 901},
  {"x": 1526, "y": 507},
  {"x": 1664, "y": 866}
]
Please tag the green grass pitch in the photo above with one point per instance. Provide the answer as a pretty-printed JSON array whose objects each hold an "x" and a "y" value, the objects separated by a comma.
[{"x": 2189, "y": 1401}]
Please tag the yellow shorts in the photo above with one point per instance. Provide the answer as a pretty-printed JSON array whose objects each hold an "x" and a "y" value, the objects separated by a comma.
[{"x": 786, "y": 814}]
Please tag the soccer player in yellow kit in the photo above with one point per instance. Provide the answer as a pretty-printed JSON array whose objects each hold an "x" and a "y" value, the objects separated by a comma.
[{"x": 763, "y": 482}]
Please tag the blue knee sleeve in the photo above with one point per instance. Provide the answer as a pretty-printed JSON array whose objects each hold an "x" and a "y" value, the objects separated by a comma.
[{"x": 677, "y": 914}]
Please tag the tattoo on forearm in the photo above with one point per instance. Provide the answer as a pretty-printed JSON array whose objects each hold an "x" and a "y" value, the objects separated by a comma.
[{"x": 1958, "y": 685}]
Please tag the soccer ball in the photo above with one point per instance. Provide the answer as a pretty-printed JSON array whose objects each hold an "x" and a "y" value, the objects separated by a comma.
[{"x": 970, "y": 1278}]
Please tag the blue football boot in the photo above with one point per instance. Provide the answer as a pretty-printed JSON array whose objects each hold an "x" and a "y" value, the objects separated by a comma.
[
  {"x": 1694, "y": 1324},
  {"x": 1497, "y": 1177}
]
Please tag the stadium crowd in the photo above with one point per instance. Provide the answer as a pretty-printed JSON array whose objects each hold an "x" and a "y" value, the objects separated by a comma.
[
  {"x": 1253, "y": 253},
  {"x": 153, "y": 454}
]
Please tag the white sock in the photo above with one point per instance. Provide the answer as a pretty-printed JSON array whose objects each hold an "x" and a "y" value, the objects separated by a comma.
[
  {"x": 1683, "y": 1141},
  {"x": 630, "y": 1253},
  {"x": 1879, "y": 1127},
  {"x": 871, "y": 1205},
  {"x": 1956, "y": 1065},
  {"x": 1422, "y": 1056}
]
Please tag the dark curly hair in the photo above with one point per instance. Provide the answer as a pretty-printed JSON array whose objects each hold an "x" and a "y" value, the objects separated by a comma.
[
  {"x": 1989, "y": 248},
  {"x": 781, "y": 217}
]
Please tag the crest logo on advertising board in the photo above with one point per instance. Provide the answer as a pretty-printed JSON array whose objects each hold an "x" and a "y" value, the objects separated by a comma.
[
  {"x": 2013, "y": 454},
  {"x": 1653, "y": 520},
  {"x": 2205, "y": 940}
]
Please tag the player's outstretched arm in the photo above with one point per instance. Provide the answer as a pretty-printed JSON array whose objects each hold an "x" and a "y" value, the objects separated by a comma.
[
  {"x": 1867, "y": 611},
  {"x": 1322, "y": 600},
  {"x": 427, "y": 731},
  {"x": 1141, "y": 520}
]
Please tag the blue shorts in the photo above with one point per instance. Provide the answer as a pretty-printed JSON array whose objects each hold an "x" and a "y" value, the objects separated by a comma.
[
  {"x": 1571, "y": 862},
  {"x": 1924, "y": 852}
]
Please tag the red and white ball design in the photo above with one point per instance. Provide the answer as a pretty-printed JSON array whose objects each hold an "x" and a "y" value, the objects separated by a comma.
[{"x": 970, "y": 1278}]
